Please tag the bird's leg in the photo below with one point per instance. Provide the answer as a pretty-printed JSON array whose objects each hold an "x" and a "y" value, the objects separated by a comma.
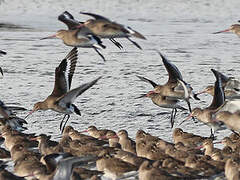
[
  {"x": 1, "y": 71},
  {"x": 68, "y": 116},
  {"x": 235, "y": 132},
  {"x": 172, "y": 119},
  {"x": 116, "y": 43},
  {"x": 99, "y": 54},
  {"x": 136, "y": 44},
  {"x": 190, "y": 110},
  {"x": 175, "y": 112},
  {"x": 62, "y": 122},
  {"x": 212, "y": 134}
]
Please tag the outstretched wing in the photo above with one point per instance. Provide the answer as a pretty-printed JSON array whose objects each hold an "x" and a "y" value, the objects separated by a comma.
[
  {"x": 224, "y": 78},
  {"x": 69, "y": 20},
  {"x": 64, "y": 73},
  {"x": 70, "y": 96},
  {"x": 66, "y": 165},
  {"x": 173, "y": 72},
  {"x": 148, "y": 81},
  {"x": 96, "y": 16},
  {"x": 219, "y": 97}
]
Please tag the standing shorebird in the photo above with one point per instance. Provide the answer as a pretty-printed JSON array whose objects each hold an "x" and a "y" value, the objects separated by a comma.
[
  {"x": 105, "y": 28},
  {"x": 62, "y": 98},
  {"x": 235, "y": 28},
  {"x": 77, "y": 36},
  {"x": 72, "y": 24},
  {"x": 168, "y": 95},
  {"x": 206, "y": 115}
]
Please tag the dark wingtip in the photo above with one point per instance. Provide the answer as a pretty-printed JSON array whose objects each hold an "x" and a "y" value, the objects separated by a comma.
[
  {"x": 195, "y": 97},
  {"x": 215, "y": 72},
  {"x": 1, "y": 71},
  {"x": 162, "y": 56},
  {"x": 3, "y": 52}
]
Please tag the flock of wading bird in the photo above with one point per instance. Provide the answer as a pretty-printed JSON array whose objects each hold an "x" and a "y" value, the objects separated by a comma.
[{"x": 116, "y": 155}]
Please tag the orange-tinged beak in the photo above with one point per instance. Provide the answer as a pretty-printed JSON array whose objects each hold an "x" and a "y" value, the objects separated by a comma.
[
  {"x": 199, "y": 147},
  {"x": 189, "y": 116},
  {"x": 80, "y": 25},
  {"x": 30, "y": 113},
  {"x": 33, "y": 139},
  {"x": 116, "y": 136},
  {"x": 219, "y": 142},
  {"x": 84, "y": 131},
  {"x": 226, "y": 30},
  {"x": 49, "y": 37},
  {"x": 103, "y": 137},
  {"x": 201, "y": 92}
]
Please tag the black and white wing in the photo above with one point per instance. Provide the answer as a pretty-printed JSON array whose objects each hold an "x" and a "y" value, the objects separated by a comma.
[
  {"x": 96, "y": 16},
  {"x": 219, "y": 97},
  {"x": 69, "y": 20},
  {"x": 70, "y": 96},
  {"x": 64, "y": 73},
  {"x": 148, "y": 81}
]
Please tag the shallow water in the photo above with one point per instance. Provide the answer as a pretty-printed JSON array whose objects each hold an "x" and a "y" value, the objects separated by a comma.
[{"x": 180, "y": 30}]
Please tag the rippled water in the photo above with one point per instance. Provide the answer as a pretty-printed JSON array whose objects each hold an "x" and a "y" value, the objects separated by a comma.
[{"x": 179, "y": 29}]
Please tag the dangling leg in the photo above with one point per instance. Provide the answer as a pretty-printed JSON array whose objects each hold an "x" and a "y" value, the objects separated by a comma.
[
  {"x": 235, "y": 132},
  {"x": 116, "y": 43},
  {"x": 99, "y": 53},
  {"x": 136, "y": 44},
  {"x": 1, "y": 71},
  {"x": 190, "y": 110},
  {"x": 68, "y": 116},
  {"x": 62, "y": 121},
  {"x": 175, "y": 112},
  {"x": 172, "y": 119},
  {"x": 212, "y": 133}
]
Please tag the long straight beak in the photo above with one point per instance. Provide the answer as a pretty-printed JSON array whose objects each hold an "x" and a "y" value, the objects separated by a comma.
[
  {"x": 219, "y": 142},
  {"x": 226, "y": 30},
  {"x": 33, "y": 139},
  {"x": 189, "y": 116},
  {"x": 141, "y": 96},
  {"x": 201, "y": 92},
  {"x": 199, "y": 147},
  {"x": 80, "y": 25},
  {"x": 49, "y": 37},
  {"x": 115, "y": 136},
  {"x": 29, "y": 113},
  {"x": 84, "y": 131},
  {"x": 103, "y": 137}
]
